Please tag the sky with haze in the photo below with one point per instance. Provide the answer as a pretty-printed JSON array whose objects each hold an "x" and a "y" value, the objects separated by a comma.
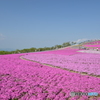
[{"x": 45, "y": 23}]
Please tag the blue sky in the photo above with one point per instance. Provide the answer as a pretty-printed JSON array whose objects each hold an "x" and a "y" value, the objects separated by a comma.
[{"x": 45, "y": 23}]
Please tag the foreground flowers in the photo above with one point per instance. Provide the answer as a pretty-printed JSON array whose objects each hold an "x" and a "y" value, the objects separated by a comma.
[{"x": 26, "y": 80}]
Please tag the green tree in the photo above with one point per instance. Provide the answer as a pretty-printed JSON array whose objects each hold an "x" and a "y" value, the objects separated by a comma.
[{"x": 66, "y": 44}]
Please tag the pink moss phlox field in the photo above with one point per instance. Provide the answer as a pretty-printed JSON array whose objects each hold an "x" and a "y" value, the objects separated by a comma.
[
  {"x": 66, "y": 51},
  {"x": 26, "y": 80},
  {"x": 92, "y": 46},
  {"x": 93, "y": 43},
  {"x": 89, "y": 63}
]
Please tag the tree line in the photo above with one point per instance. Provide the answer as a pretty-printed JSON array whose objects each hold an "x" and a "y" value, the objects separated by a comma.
[{"x": 33, "y": 49}]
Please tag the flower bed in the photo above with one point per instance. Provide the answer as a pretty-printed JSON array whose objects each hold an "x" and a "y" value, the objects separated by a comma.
[
  {"x": 26, "y": 80},
  {"x": 96, "y": 46},
  {"x": 89, "y": 63}
]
